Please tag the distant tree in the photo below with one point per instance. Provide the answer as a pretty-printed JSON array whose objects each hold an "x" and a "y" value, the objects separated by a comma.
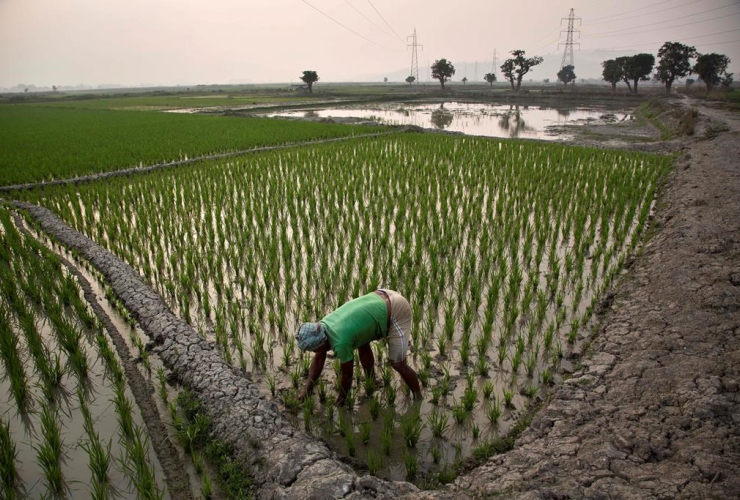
[
  {"x": 727, "y": 80},
  {"x": 515, "y": 68},
  {"x": 309, "y": 78},
  {"x": 442, "y": 70},
  {"x": 465, "y": 80},
  {"x": 25, "y": 90},
  {"x": 385, "y": 80},
  {"x": 612, "y": 72},
  {"x": 54, "y": 88},
  {"x": 566, "y": 74},
  {"x": 490, "y": 78},
  {"x": 675, "y": 62},
  {"x": 690, "y": 82},
  {"x": 410, "y": 79},
  {"x": 638, "y": 68},
  {"x": 546, "y": 80},
  {"x": 710, "y": 68}
]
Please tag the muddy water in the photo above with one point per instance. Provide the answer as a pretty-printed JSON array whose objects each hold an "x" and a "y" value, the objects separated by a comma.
[{"x": 514, "y": 121}]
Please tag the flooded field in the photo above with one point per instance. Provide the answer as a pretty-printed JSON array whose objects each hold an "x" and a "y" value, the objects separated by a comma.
[
  {"x": 513, "y": 121},
  {"x": 502, "y": 249}
]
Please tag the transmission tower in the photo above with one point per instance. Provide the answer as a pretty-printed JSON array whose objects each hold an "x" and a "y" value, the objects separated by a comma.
[
  {"x": 414, "y": 56},
  {"x": 569, "y": 43}
]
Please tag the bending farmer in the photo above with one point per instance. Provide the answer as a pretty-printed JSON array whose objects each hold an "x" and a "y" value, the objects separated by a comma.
[{"x": 377, "y": 315}]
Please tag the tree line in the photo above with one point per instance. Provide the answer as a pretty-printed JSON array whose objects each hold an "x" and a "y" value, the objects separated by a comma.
[{"x": 675, "y": 61}]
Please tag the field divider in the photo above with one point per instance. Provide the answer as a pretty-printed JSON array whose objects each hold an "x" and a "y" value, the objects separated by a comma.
[
  {"x": 284, "y": 461},
  {"x": 139, "y": 170}
]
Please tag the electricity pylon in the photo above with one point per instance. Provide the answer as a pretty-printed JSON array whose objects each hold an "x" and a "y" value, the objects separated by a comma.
[
  {"x": 569, "y": 43},
  {"x": 414, "y": 56}
]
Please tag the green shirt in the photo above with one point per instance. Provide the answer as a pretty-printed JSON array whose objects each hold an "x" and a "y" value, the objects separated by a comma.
[{"x": 356, "y": 323}]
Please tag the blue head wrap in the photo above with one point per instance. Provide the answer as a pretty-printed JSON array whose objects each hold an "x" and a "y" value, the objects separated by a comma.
[{"x": 310, "y": 336}]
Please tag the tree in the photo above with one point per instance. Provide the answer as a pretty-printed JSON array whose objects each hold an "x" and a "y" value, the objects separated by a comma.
[
  {"x": 442, "y": 70},
  {"x": 727, "y": 80},
  {"x": 518, "y": 66},
  {"x": 612, "y": 72},
  {"x": 637, "y": 68},
  {"x": 309, "y": 78},
  {"x": 385, "y": 80},
  {"x": 710, "y": 68},
  {"x": 490, "y": 78},
  {"x": 690, "y": 82},
  {"x": 675, "y": 62},
  {"x": 465, "y": 80},
  {"x": 546, "y": 80},
  {"x": 410, "y": 79},
  {"x": 566, "y": 74}
]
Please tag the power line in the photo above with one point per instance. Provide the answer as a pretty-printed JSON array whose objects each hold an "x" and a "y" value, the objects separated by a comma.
[
  {"x": 633, "y": 10},
  {"x": 386, "y": 22},
  {"x": 621, "y": 32},
  {"x": 641, "y": 15},
  {"x": 368, "y": 19},
  {"x": 682, "y": 39},
  {"x": 347, "y": 27}
]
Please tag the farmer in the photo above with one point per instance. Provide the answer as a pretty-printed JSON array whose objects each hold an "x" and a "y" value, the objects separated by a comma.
[{"x": 383, "y": 314}]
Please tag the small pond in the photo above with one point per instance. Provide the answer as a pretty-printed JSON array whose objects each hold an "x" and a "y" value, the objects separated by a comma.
[{"x": 513, "y": 121}]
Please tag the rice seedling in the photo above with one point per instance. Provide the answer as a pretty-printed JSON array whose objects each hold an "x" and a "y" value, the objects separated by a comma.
[
  {"x": 475, "y": 430},
  {"x": 49, "y": 453},
  {"x": 487, "y": 389},
  {"x": 508, "y": 397},
  {"x": 206, "y": 488},
  {"x": 9, "y": 477},
  {"x": 349, "y": 438},
  {"x": 493, "y": 411},
  {"x": 412, "y": 465},
  {"x": 374, "y": 408},
  {"x": 437, "y": 423},
  {"x": 365, "y": 430},
  {"x": 386, "y": 441},
  {"x": 436, "y": 453},
  {"x": 459, "y": 413},
  {"x": 374, "y": 461},
  {"x": 411, "y": 427},
  {"x": 137, "y": 467}
]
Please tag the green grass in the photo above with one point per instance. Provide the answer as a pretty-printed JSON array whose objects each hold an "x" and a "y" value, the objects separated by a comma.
[
  {"x": 43, "y": 143},
  {"x": 171, "y": 102}
]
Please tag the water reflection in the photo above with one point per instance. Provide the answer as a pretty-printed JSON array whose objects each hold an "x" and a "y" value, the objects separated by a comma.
[
  {"x": 441, "y": 118},
  {"x": 515, "y": 121}
]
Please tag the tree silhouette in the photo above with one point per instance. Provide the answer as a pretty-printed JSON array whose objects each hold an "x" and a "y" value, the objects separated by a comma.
[
  {"x": 490, "y": 78},
  {"x": 710, "y": 68},
  {"x": 675, "y": 62},
  {"x": 515, "y": 68},
  {"x": 566, "y": 74},
  {"x": 309, "y": 78},
  {"x": 442, "y": 70},
  {"x": 410, "y": 79}
]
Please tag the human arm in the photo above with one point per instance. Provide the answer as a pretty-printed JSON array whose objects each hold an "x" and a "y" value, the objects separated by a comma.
[{"x": 314, "y": 372}]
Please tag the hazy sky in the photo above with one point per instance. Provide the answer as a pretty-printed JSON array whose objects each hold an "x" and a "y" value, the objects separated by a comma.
[{"x": 163, "y": 42}]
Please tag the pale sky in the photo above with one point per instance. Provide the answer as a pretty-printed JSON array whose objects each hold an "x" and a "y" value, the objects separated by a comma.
[{"x": 168, "y": 42}]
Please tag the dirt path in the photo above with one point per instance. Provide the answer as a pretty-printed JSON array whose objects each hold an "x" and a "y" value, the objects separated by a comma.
[{"x": 655, "y": 410}]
